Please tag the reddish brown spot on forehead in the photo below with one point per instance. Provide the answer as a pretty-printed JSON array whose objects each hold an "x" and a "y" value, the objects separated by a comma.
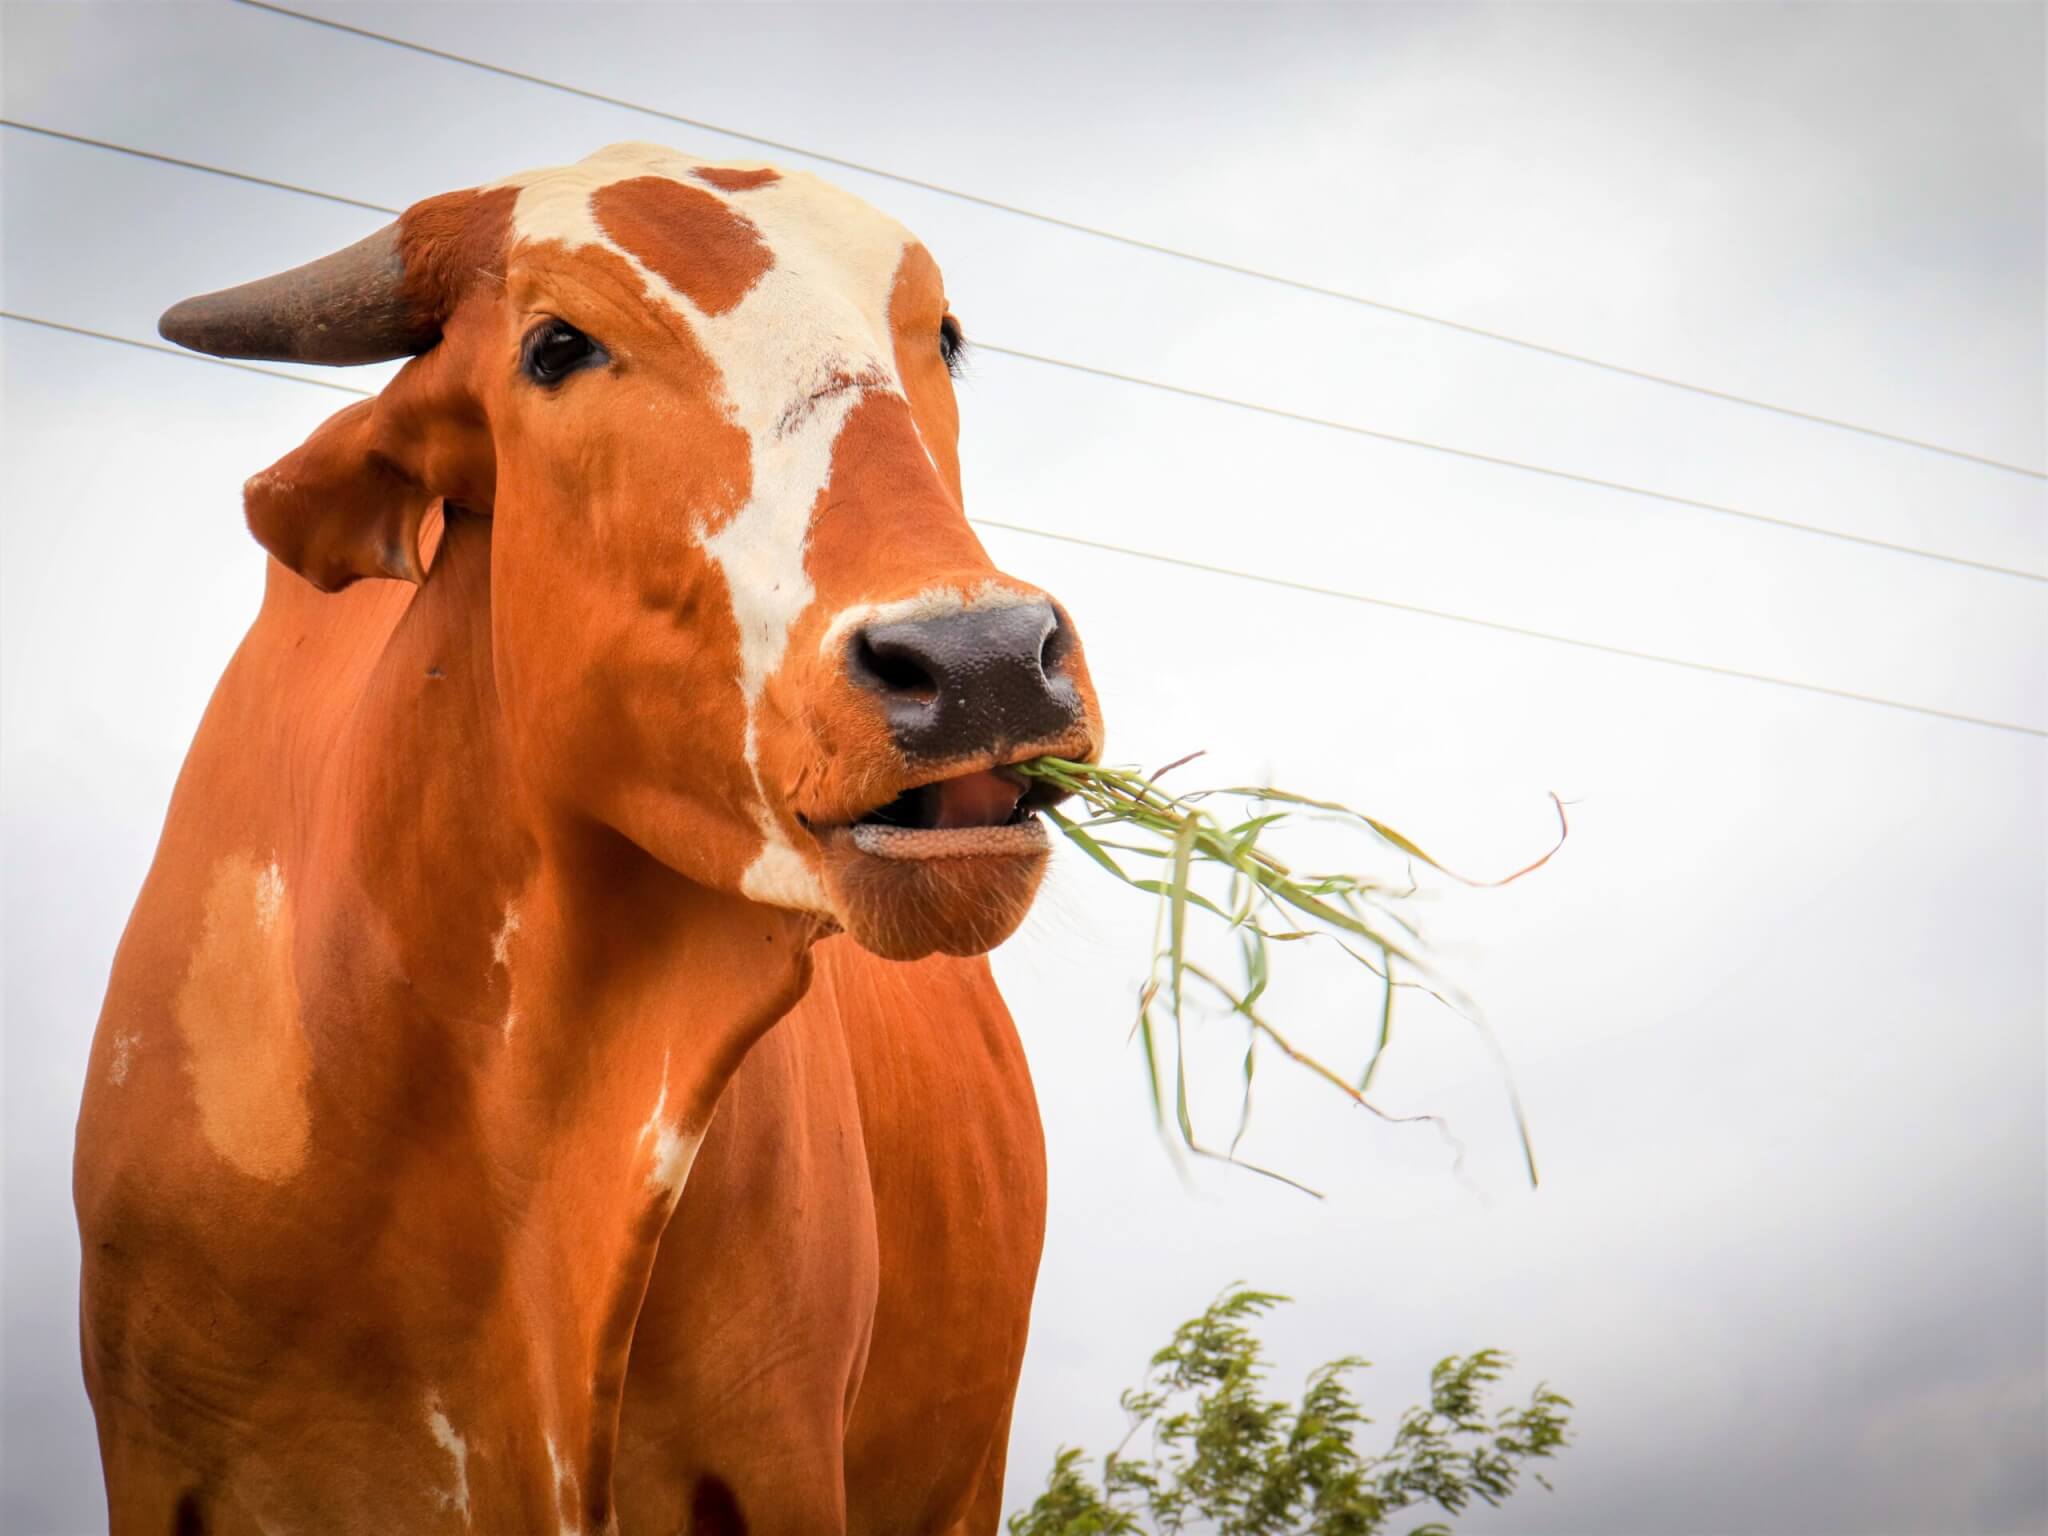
[
  {"x": 727, "y": 179},
  {"x": 707, "y": 252}
]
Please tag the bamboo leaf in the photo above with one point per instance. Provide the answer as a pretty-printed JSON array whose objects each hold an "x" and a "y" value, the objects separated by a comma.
[
  {"x": 1363, "y": 915},
  {"x": 1183, "y": 852}
]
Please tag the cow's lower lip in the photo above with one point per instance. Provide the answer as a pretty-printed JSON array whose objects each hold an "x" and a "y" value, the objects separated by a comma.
[
  {"x": 907, "y": 892},
  {"x": 979, "y": 813},
  {"x": 1015, "y": 839}
]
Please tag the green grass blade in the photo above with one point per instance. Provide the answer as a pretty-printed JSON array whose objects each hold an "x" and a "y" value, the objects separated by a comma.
[{"x": 1364, "y": 916}]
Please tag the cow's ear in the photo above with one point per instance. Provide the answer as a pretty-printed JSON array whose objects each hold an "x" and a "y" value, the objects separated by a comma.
[
  {"x": 348, "y": 504},
  {"x": 349, "y": 501},
  {"x": 337, "y": 508}
]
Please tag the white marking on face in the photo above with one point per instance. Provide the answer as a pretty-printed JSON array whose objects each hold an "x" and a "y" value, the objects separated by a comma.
[
  {"x": 445, "y": 1436},
  {"x": 779, "y": 876},
  {"x": 124, "y": 1049},
  {"x": 808, "y": 341}
]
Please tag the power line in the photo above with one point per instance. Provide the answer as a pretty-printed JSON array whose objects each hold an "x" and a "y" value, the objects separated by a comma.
[
  {"x": 193, "y": 165},
  {"x": 1355, "y": 429},
  {"x": 181, "y": 354},
  {"x": 1499, "y": 627},
  {"x": 1232, "y": 572},
  {"x": 1472, "y": 455},
  {"x": 1132, "y": 242}
]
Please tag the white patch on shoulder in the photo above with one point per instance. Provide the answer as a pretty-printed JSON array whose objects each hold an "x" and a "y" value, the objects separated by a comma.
[
  {"x": 456, "y": 1498},
  {"x": 124, "y": 1049},
  {"x": 269, "y": 896}
]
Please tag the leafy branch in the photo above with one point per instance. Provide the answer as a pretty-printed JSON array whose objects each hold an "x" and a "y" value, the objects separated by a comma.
[{"x": 1217, "y": 1454}]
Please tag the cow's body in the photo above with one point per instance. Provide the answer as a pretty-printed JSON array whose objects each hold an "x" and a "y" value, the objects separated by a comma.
[
  {"x": 448, "y": 1160},
  {"x": 955, "y": 1166},
  {"x": 873, "y": 1172}
]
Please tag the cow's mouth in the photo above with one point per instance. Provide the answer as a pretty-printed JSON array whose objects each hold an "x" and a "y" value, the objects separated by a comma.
[
  {"x": 948, "y": 865},
  {"x": 993, "y": 811}
]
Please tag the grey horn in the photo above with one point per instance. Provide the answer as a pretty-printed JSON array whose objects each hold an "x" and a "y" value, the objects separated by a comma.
[{"x": 350, "y": 307}]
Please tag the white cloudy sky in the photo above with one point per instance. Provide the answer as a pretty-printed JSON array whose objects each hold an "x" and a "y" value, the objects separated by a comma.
[{"x": 1776, "y": 1011}]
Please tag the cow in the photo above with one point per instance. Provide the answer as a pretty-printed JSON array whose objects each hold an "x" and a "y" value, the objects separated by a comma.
[{"x": 551, "y": 1080}]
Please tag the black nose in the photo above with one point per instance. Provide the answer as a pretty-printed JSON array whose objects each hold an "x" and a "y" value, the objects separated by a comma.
[{"x": 970, "y": 683}]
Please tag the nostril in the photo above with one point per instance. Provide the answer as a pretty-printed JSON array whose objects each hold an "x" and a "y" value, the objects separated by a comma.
[
  {"x": 977, "y": 681},
  {"x": 1052, "y": 650},
  {"x": 895, "y": 669}
]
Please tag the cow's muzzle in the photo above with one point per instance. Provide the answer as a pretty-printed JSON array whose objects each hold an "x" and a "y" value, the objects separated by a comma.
[{"x": 970, "y": 685}]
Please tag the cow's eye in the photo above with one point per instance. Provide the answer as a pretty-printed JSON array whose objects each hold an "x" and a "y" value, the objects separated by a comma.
[
  {"x": 952, "y": 345},
  {"x": 555, "y": 349}
]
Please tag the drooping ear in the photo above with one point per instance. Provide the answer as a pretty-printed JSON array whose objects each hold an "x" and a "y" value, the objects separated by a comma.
[
  {"x": 348, "y": 503},
  {"x": 336, "y": 508}
]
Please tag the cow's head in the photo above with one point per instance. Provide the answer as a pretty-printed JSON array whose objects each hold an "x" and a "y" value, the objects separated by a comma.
[{"x": 737, "y": 612}]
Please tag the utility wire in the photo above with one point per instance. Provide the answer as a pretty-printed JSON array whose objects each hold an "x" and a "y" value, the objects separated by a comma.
[
  {"x": 1290, "y": 585},
  {"x": 1134, "y": 243},
  {"x": 192, "y": 165},
  {"x": 1470, "y": 455},
  {"x": 1232, "y": 572},
  {"x": 181, "y": 354}
]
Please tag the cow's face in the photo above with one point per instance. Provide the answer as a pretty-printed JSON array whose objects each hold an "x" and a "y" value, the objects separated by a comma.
[{"x": 737, "y": 610}]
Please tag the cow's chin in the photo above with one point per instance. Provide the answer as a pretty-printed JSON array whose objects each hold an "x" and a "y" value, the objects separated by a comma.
[{"x": 905, "y": 893}]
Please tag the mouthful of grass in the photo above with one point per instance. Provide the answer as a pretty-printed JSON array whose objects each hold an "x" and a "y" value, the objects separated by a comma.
[{"x": 1208, "y": 864}]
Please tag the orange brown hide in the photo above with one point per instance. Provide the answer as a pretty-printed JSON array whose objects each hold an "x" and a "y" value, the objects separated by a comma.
[{"x": 490, "y": 1127}]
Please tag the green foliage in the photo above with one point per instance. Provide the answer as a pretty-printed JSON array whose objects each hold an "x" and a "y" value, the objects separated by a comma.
[
  {"x": 1216, "y": 1454},
  {"x": 1261, "y": 902}
]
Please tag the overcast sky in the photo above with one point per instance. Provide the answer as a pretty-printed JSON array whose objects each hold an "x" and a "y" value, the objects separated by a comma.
[{"x": 1776, "y": 1011}]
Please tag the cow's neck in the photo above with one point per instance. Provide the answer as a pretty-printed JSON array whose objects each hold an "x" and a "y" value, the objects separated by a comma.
[{"x": 589, "y": 1005}]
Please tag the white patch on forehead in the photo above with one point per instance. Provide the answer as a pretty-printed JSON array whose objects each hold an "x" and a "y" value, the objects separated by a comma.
[
  {"x": 806, "y": 343},
  {"x": 932, "y": 603},
  {"x": 445, "y": 1436}
]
